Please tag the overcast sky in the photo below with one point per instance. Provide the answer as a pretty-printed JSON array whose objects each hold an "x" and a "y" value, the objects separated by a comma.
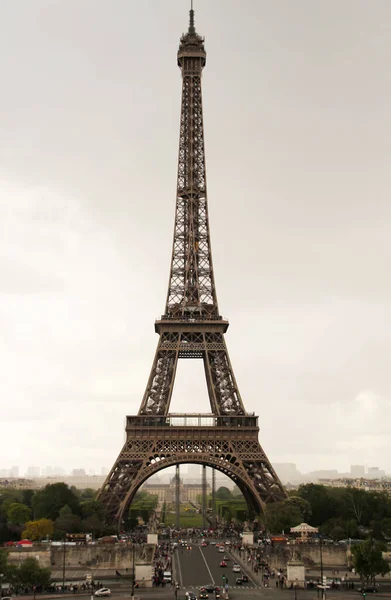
[{"x": 298, "y": 145}]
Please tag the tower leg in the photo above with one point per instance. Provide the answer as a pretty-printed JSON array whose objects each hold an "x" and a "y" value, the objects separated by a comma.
[
  {"x": 204, "y": 507},
  {"x": 177, "y": 497},
  {"x": 214, "y": 498}
]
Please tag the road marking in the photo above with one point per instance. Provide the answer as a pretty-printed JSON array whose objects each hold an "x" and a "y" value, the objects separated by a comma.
[
  {"x": 206, "y": 564},
  {"x": 243, "y": 568},
  {"x": 179, "y": 567}
]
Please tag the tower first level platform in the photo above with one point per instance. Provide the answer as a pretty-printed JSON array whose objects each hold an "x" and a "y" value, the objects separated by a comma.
[{"x": 226, "y": 443}]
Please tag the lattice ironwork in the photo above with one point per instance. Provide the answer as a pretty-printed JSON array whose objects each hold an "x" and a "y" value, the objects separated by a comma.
[
  {"x": 191, "y": 327},
  {"x": 233, "y": 450}
]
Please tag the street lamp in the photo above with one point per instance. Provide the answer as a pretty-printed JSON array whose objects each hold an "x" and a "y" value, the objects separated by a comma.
[
  {"x": 322, "y": 577},
  {"x": 321, "y": 560},
  {"x": 63, "y": 565},
  {"x": 133, "y": 571}
]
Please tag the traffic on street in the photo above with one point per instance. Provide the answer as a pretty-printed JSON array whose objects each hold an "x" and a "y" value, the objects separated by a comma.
[{"x": 209, "y": 565}]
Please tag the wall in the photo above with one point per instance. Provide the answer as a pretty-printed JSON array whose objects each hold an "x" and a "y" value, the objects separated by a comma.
[
  {"x": 332, "y": 556},
  {"x": 17, "y": 556},
  {"x": 103, "y": 556},
  {"x": 144, "y": 574}
]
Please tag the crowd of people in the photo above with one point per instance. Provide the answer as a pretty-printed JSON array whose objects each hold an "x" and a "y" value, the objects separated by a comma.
[{"x": 162, "y": 563}]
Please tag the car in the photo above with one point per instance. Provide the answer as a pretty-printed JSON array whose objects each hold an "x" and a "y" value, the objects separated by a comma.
[
  {"x": 213, "y": 543},
  {"x": 225, "y": 557},
  {"x": 191, "y": 596},
  {"x": 203, "y": 594},
  {"x": 217, "y": 594},
  {"x": 368, "y": 590},
  {"x": 210, "y": 588},
  {"x": 103, "y": 592},
  {"x": 204, "y": 544},
  {"x": 244, "y": 578},
  {"x": 239, "y": 581},
  {"x": 227, "y": 543},
  {"x": 221, "y": 549},
  {"x": 223, "y": 563},
  {"x": 236, "y": 569}
]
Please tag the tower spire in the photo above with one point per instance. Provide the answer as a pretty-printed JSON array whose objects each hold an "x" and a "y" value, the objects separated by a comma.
[{"x": 192, "y": 26}]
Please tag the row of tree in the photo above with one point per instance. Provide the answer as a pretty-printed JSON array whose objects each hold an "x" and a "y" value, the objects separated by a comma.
[
  {"x": 339, "y": 512},
  {"x": 26, "y": 575},
  {"x": 51, "y": 512},
  {"x": 58, "y": 509}
]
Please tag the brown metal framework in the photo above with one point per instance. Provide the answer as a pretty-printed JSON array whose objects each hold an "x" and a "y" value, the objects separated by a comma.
[{"x": 191, "y": 327}]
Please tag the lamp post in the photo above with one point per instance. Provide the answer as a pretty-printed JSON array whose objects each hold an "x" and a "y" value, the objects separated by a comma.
[
  {"x": 133, "y": 572},
  {"x": 321, "y": 560},
  {"x": 323, "y": 582},
  {"x": 63, "y": 567}
]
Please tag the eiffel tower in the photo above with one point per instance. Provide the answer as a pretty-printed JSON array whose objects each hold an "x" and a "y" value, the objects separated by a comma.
[{"x": 227, "y": 438}]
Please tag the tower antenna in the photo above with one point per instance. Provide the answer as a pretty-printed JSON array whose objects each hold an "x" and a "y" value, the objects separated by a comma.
[{"x": 191, "y": 26}]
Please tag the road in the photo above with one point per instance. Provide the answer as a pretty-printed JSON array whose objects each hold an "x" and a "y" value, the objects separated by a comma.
[{"x": 196, "y": 567}]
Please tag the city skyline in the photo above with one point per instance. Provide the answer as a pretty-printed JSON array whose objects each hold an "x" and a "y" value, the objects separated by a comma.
[
  {"x": 288, "y": 472},
  {"x": 295, "y": 102}
]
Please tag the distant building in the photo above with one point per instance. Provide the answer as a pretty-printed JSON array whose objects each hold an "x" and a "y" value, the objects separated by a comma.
[
  {"x": 14, "y": 471},
  {"x": 189, "y": 492},
  {"x": 78, "y": 473},
  {"x": 357, "y": 471},
  {"x": 323, "y": 474},
  {"x": 288, "y": 472},
  {"x": 33, "y": 472},
  {"x": 80, "y": 482},
  {"x": 366, "y": 484},
  {"x": 375, "y": 473},
  {"x": 52, "y": 471},
  {"x": 18, "y": 483}
]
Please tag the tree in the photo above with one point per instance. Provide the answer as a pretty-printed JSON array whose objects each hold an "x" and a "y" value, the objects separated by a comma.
[
  {"x": 65, "y": 511},
  {"x": 69, "y": 522},
  {"x": 93, "y": 525},
  {"x": 357, "y": 500},
  {"x": 32, "y": 575},
  {"x": 324, "y": 504},
  {"x": 281, "y": 516},
  {"x": 223, "y": 493},
  {"x": 302, "y": 505},
  {"x": 48, "y": 502},
  {"x": 38, "y": 530},
  {"x": 10, "y": 572},
  {"x": 386, "y": 527},
  {"x": 18, "y": 514},
  {"x": 27, "y": 497},
  {"x": 92, "y": 507},
  {"x": 8, "y": 497},
  {"x": 86, "y": 494},
  {"x": 368, "y": 559}
]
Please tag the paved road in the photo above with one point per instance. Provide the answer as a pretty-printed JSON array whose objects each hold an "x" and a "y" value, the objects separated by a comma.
[{"x": 196, "y": 567}]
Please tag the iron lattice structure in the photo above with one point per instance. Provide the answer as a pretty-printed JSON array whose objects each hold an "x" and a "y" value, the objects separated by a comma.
[{"x": 191, "y": 327}]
